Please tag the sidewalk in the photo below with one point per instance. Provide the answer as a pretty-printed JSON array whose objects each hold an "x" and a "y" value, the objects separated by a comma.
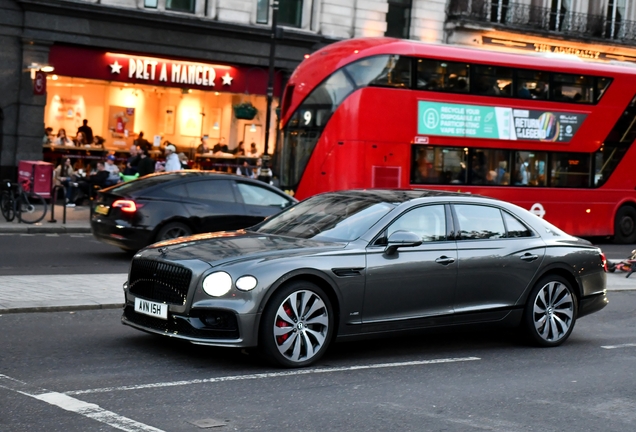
[
  {"x": 77, "y": 221},
  {"x": 104, "y": 291}
]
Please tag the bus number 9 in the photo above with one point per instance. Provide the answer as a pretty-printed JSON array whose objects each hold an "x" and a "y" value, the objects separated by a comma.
[{"x": 307, "y": 117}]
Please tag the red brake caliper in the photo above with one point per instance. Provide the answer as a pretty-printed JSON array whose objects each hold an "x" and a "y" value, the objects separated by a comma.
[{"x": 281, "y": 323}]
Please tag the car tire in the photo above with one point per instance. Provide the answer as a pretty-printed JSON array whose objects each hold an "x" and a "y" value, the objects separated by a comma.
[
  {"x": 551, "y": 310},
  {"x": 625, "y": 225},
  {"x": 173, "y": 230},
  {"x": 297, "y": 325}
]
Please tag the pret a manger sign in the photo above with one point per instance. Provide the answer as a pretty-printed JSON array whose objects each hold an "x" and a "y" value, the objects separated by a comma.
[{"x": 161, "y": 71}]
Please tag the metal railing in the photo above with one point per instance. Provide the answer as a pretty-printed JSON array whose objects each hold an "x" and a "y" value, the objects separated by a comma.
[{"x": 519, "y": 16}]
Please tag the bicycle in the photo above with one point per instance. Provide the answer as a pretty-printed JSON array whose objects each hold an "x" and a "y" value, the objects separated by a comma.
[{"x": 28, "y": 206}]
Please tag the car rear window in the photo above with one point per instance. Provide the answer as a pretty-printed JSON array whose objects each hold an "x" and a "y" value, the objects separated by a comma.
[{"x": 135, "y": 186}]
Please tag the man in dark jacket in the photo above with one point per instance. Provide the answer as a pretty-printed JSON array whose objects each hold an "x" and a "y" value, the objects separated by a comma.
[
  {"x": 99, "y": 178},
  {"x": 146, "y": 163},
  {"x": 87, "y": 131}
]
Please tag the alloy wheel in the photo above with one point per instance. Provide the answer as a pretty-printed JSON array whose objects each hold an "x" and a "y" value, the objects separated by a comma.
[
  {"x": 174, "y": 233},
  {"x": 553, "y": 311}
]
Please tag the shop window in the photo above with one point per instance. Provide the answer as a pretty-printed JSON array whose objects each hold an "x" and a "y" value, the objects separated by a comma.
[
  {"x": 492, "y": 81},
  {"x": 479, "y": 222},
  {"x": 570, "y": 170},
  {"x": 151, "y": 4},
  {"x": 290, "y": 12},
  {"x": 572, "y": 88},
  {"x": 180, "y": 5},
  {"x": 262, "y": 11},
  {"x": 531, "y": 84},
  {"x": 438, "y": 165},
  {"x": 530, "y": 168},
  {"x": 398, "y": 19},
  {"x": 489, "y": 167},
  {"x": 440, "y": 75}
]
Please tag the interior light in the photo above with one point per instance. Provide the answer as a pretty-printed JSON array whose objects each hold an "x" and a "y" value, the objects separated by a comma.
[
  {"x": 216, "y": 93},
  {"x": 127, "y": 206},
  {"x": 54, "y": 77},
  {"x": 253, "y": 128},
  {"x": 47, "y": 68},
  {"x": 216, "y": 126},
  {"x": 306, "y": 56}
]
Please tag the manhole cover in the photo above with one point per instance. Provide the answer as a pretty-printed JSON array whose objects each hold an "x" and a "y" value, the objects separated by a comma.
[{"x": 208, "y": 423}]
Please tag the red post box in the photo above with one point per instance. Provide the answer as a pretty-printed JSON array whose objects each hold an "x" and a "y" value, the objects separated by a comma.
[{"x": 36, "y": 176}]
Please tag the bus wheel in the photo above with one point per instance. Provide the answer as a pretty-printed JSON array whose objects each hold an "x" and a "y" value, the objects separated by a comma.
[{"x": 625, "y": 225}]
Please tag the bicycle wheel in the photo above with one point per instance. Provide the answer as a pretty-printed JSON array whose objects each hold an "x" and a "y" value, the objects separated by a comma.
[
  {"x": 7, "y": 207},
  {"x": 31, "y": 208}
]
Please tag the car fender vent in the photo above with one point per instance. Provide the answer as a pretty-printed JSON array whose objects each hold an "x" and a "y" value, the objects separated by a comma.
[{"x": 348, "y": 272}]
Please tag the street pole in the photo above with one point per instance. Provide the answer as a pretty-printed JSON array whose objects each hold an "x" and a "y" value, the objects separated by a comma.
[{"x": 266, "y": 173}]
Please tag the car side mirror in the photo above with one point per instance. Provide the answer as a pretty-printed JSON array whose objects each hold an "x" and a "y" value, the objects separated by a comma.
[{"x": 402, "y": 239}]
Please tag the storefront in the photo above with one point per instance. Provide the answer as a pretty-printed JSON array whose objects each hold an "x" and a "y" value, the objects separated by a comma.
[{"x": 169, "y": 100}]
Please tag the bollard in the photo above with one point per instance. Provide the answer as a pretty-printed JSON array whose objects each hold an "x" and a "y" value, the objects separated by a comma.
[{"x": 56, "y": 188}]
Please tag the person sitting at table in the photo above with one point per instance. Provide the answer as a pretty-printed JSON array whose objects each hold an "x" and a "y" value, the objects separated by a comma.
[
  {"x": 239, "y": 150},
  {"x": 62, "y": 139},
  {"x": 63, "y": 176},
  {"x": 132, "y": 162},
  {"x": 246, "y": 170},
  {"x": 46, "y": 139},
  {"x": 98, "y": 178},
  {"x": 183, "y": 159},
  {"x": 253, "y": 151},
  {"x": 80, "y": 139},
  {"x": 146, "y": 163},
  {"x": 113, "y": 171},
  {"x": 87, "y": 131},
  {"x": 203, "y": 147}
]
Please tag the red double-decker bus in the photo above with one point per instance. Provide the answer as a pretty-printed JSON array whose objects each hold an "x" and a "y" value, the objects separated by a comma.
[{"x": 552, "y": 135}]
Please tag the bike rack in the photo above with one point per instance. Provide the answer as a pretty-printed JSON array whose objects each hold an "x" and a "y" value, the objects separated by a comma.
[{"x": 56, "y": 188}]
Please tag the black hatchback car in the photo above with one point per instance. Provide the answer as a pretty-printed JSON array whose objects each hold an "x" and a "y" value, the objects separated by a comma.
[{"x": 170, "y": 205}]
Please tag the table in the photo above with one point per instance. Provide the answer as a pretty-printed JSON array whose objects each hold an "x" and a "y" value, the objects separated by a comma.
[
  {"x": 83, "y": 155},
  {"x": 223, "y": 161}
]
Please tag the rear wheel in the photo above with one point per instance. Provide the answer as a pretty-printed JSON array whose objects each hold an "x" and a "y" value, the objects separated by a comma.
[
  {"x": 31, "y": 208},
  {"x": 625, "y": 225},
  {"x": 172, "y": 231},
  {"x": 297, "y": 325},
  {"x": 6, "y": 206},
  {"x": 551, "y": 311}
]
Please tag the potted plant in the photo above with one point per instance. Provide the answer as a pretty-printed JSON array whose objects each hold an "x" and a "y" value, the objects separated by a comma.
[{"x": 245, "y": 111}]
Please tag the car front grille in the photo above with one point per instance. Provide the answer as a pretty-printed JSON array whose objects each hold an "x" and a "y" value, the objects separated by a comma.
[
  {"x": 159, "y": 281},
  {"x": 207, "y": 325}
]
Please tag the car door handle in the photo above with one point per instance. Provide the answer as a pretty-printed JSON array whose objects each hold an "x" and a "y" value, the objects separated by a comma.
[
  {"x": 529, "y": 257},
  {"x": 444, "y": 260}
]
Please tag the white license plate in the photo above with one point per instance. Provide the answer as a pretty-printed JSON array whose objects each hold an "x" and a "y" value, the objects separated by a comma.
[{"x": 158, "y": 310}]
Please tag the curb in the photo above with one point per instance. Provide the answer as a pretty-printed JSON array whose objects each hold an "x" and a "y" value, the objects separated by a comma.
[
  {"x": 41, "y": 229},
  {"x": 61, "y": 308}
]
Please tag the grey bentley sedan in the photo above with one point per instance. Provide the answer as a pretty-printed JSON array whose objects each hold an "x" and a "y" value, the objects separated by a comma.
[{"x": 348, "y": 264}]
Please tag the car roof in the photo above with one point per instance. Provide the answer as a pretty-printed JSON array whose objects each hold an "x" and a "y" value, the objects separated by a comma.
[{"x": 397, "y": 196}]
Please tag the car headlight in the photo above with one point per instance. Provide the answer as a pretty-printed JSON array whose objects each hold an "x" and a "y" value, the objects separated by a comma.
[
  {"x": 246, "y": 283},
  {"x": 217, "y": 284}
]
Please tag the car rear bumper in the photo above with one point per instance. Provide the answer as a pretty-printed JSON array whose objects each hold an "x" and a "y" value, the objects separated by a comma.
[
  {"x": 122, "y": 236},
  {"x": 593, "y": 303}
]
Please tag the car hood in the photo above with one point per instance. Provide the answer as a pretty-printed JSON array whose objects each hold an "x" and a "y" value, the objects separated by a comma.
[{"x": 224, "y": 247}]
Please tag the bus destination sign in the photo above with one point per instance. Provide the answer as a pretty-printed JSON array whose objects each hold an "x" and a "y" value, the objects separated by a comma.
[{"x": 478, "y": 121}]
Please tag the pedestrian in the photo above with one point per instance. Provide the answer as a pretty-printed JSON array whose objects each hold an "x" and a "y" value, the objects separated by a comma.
[
  {"x": 98, "y": 179},
  {"x": 113, "y": 170},
  {"x": 203, "y": 147},
  {"x": 63, "y": 176},
  {"x": 245, "y": 170},
  {"x": 87, "y": 131},
  {"x": 183, "y": 159},
  {"x": 133, "y": 161},
  {"x": 146, "y": 163},
  {"x": 172, "y": 160}
]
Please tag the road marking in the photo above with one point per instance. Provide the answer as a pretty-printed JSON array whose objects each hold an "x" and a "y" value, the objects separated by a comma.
[
  {"x": 68, "y": 403},
  {"x": 627, "y": 345},
  {"x": 271, "y": 375}
]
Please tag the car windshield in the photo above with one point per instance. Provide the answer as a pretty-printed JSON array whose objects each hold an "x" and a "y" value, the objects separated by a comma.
[{"x": 328, "y": 217}]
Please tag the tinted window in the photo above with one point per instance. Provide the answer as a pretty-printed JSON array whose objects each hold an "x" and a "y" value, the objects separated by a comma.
[
  {"x": 442, "y": 75},
  {"x": 479, "y": 222},
  {"x": 387, "y": 71},
  {"x": 492, "y": 80},
  {"x": 214, "y": 190},
  {"x": 530, "y": 168},
  {"x": 532, "y": 84},
  {"x": 175, "y": 191},
  {"x": 135, "y": 186},
  {"x": 256, "y": 195},
  {"x": 572, "y": 88},
  {"x": 438, "y": 165},
  {"x": 515, "y": 228},
  {"x": 427, "y": 222},
  {"x": 570, "y": 170},
  {"x": 489, "y": 167}
]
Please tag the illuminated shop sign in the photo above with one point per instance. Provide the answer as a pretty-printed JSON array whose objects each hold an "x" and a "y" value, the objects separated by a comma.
[{"x": 477, "y": 121}]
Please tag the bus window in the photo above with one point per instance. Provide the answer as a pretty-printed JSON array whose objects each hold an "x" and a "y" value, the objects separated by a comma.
[
  {"x": 489, "y": 167},
  {"x": 492, "y": 80},
  {"x": 443, "y": 76},
  {"x": 438, "y": 165},
  {"x": 531, "y": 84},
  {"x": 396, "y": 72},
  {"x": 530, "y": 168},
  {"x": 570, "y": 170},
  {"x": 572, "y": 88},
  {"x": 601, "y": 85}
]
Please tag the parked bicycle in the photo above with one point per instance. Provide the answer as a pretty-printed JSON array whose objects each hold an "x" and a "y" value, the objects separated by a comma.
[{"x": 15, "y": 200}]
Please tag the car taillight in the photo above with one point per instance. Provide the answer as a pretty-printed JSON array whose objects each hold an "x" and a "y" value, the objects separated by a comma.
[
  {"x": 127, "y": 206},
  {"x": 603, "y": 261}
]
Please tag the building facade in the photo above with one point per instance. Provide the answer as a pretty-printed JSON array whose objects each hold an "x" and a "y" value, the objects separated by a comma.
[{"x": 175, "y": 69}]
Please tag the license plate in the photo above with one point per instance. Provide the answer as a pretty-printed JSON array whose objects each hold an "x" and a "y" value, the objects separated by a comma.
[
  {"x": 102, "y": 209},
  {"x": 158, "y": 310}
]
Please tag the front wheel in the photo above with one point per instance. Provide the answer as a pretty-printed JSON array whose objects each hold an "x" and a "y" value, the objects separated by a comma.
[
  {"x": 551, "y": 311},
  {"x": 297, "y": 325},
  {"x": 31, "y": 208},
  {"x": 6, "y": 206}
]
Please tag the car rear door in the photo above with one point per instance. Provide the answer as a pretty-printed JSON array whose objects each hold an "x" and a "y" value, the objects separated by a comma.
[
  {"x": 414, "y": 282},
  {"x": 260, "y": 202},
  {"x": 498, "y": 257},
  {"x": 212, "y": 205}
]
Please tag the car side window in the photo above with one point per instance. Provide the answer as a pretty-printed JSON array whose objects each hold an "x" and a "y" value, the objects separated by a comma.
[
  {"x": 515, "y": 228},
  {"x": 256, "y": 195},
  {"x": 428, "y": 222},
  {"x": 211, "y": 190},
  {"x": 175, "y": 191},
  {"x": 478, "y": 222}
]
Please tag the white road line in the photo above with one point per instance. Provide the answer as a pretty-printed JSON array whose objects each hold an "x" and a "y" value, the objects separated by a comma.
[
  {"x": 271, "y": 375},
  {"x": 627, "y": 345},
  {"x": 68, "y": 403}
]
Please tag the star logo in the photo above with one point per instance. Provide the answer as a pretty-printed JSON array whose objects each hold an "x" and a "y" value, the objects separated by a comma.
[
  {"x": 227, "y": 79},
  {"x": 115, "y": 67}
]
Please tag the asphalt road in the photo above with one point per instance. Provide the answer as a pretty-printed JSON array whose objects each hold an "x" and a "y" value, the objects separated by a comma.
[{"x": 84, "y": 371}]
